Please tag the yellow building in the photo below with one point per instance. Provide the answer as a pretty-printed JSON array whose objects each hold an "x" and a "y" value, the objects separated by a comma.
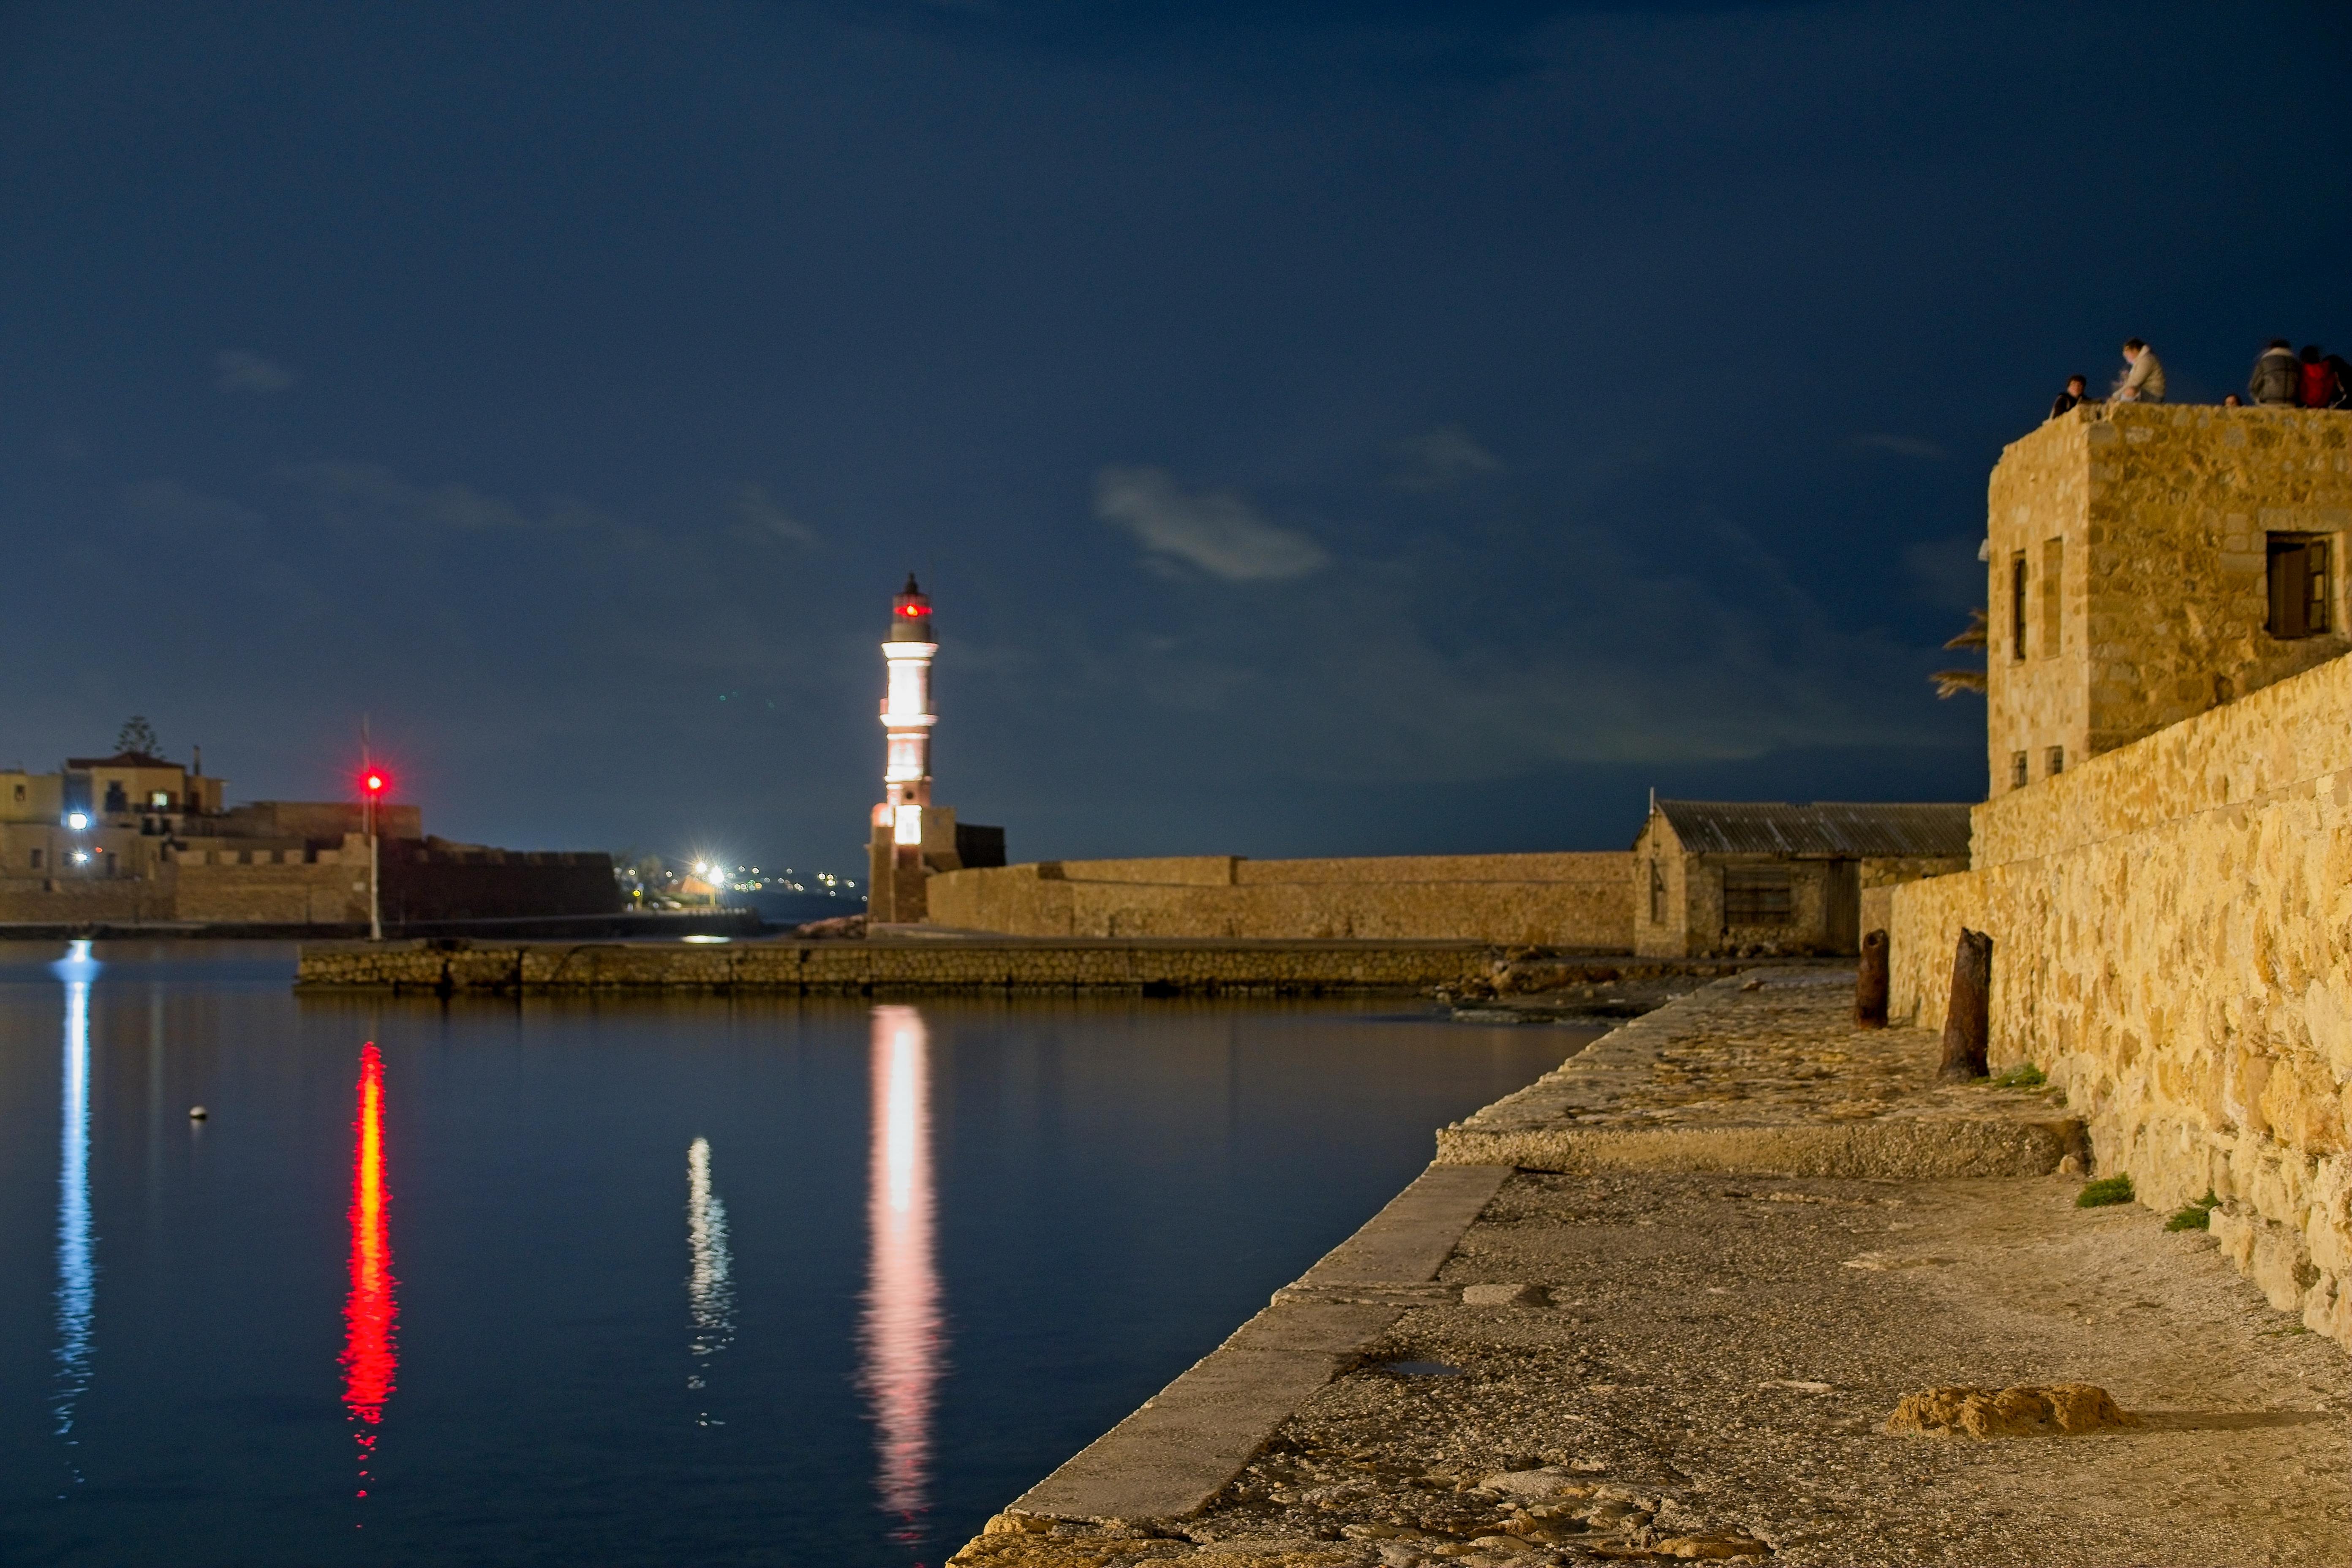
[{"x": 2147, "y": 562}]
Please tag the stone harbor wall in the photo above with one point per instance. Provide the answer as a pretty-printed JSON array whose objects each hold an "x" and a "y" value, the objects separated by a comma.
[
  {"x": 1549, "y": 900},
  {"x": 229, "y": 882},
  {"x": 1012, "y": 964},
  {"x": 858, "y": 968},
  {"x": 2172, "y": 944}
]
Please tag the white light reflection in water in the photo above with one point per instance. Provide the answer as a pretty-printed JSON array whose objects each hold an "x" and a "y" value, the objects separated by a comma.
[
  {"x": 77, "y": 1271},
  {"x": 710, "y": 1292},
  {"x": 901, "y": 1338}
]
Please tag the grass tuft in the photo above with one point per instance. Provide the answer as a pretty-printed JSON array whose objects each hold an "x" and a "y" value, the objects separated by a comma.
[
  {"x": 2198, "y": 1216},
  {"x": 2105, "y": 1190},
  {"x": 2025, "y": 1075}
]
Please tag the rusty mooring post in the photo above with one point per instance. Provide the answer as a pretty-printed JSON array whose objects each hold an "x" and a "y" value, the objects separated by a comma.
[
  {"x": 1968, "y": 1019},
  {"x": 1870, "y": 983}
]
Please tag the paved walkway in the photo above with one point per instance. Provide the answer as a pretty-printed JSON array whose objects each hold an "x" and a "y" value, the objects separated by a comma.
[{"x": 1619, "y": 1360}]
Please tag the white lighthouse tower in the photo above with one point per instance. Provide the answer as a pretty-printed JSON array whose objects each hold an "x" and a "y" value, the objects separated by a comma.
[{"x": 911, "y": 837}]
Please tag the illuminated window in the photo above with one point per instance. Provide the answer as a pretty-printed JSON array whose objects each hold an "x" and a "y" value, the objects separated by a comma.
[
  {"x": 2299, "y": 586},
  {"x": 1757, "y": 896}
]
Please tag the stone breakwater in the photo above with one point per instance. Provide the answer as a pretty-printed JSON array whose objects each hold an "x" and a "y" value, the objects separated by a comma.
[
  {"x": 1698, "y": 1355},
  {"x": 1169, "y": 967}
]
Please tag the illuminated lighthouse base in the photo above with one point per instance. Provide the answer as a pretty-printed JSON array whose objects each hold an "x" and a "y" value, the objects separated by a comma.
[{"x": 897, "y": 867}]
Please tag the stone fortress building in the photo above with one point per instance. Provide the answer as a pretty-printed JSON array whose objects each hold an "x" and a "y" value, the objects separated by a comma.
[
  {"x": 139, "y": 840},
  {"x": 2165, "y": 865},
  {"x": 2146, "y": 566}
]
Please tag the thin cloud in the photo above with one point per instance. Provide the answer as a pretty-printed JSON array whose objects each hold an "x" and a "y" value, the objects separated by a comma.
[
  {"x": 1901, "y": 445},
  {"x": 1441, "y": 458},
  {"x": 759, "y": 508},
  {"x": 1218, "y": 532},
  {"x": 174, "y": 504},
  {"x": 370, "y": 488},
  {"x": 242, "y": 370}
]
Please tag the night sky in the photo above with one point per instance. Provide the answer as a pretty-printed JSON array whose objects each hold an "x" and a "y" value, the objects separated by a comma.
[{"x": 1323, "y": 428}]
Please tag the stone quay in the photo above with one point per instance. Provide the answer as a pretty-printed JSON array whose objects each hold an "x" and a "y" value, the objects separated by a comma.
[{"x": 945, "y": 963}]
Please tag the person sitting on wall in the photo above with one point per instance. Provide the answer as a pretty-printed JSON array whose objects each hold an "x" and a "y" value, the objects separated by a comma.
[
  {"x": 2143, "y": 377},
  {"x": 2075, "y": 387},
  {"x": 2318, "y": 385},
  {"x": 2277, "y": 378}
]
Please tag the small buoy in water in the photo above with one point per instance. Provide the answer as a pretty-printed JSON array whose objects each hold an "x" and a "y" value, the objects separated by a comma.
[{"x": 197, "y": 1113}]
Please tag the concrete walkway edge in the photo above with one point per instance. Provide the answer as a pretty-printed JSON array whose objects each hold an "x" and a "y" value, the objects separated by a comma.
[{"x": 1186, "y": 1442}]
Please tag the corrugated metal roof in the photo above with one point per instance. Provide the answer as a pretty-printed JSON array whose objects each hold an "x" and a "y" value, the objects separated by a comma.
[{"x": 1824, "y": 827}]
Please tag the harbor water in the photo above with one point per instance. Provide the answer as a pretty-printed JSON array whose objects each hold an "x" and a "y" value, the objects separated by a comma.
[{"x": 638, "y": 1280}]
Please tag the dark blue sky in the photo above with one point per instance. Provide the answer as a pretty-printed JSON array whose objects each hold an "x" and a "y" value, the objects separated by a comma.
[{"x": 1324, "y": 428}]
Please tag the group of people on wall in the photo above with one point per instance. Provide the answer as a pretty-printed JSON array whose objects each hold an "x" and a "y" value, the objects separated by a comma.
[{"x": 2282, "y": 379}]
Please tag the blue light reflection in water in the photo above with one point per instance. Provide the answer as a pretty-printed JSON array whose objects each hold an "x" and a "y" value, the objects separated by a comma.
[
  {"x": 958, "y": 1241},
  {"x": 77, "y": 1266}
]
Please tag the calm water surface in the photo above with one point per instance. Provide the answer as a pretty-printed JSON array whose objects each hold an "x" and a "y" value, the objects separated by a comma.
[{"x": 636, "y": 1282}]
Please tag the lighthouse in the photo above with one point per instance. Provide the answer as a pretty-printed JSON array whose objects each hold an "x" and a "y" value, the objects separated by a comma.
[{"x": 912, "y": 838}]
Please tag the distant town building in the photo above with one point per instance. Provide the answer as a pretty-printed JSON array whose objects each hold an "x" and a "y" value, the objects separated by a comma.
[
  {"x": 1736, "y": 876},
  {"x": 910, "y": 837},
  {"x": 138, "y": 839}
]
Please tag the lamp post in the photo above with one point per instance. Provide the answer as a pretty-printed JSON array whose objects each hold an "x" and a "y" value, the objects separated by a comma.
[{"x": 371, "y": 786}]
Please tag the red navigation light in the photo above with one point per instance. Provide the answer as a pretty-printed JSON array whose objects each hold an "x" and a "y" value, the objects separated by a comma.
[
  {"x": 374, "y": 783},
  {"x": 914, "y": 609}
]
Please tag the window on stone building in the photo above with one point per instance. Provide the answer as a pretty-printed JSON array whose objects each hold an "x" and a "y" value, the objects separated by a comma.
[
  {"x": 2054, "y": 562},
  {"x": 20, "y": 794},
  {"x": 2017, "y": 586},
  {"x": 36, "y": 859},
  {"x": 1657, "y": 894},
  {"x": 116, "y": 800},
  {"x": 2299, "y": 586},
  {"x": 2017, "y": 774},
  {"x": 2057, "y": 761},
  {"x": 1756, "y": 896}
]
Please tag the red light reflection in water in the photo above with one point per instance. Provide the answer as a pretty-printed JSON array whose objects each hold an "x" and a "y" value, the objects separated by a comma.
[
  {"x": 369, "y": 1359},
  {"x": 901, "y": 1338}
]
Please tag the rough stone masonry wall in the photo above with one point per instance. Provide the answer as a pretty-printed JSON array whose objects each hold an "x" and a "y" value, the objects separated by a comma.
[
  {"x": 1553, "y": 901},
  {"x": 858, "y": 968},
  {"x": 2172, "y": 929},
  {"x": 2155, "y": 518}
]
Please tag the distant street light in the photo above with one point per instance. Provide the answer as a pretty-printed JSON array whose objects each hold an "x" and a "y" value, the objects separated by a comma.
[
  {"x": 372, "y": 783},
  {"x": 77, "y": 820}
]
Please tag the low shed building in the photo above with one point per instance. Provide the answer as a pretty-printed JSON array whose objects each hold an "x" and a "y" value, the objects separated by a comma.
[{"x": 1715, "y": 878}]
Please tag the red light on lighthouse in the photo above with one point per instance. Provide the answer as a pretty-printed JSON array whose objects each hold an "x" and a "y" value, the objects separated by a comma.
[{"x": 374, "y": 783}]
